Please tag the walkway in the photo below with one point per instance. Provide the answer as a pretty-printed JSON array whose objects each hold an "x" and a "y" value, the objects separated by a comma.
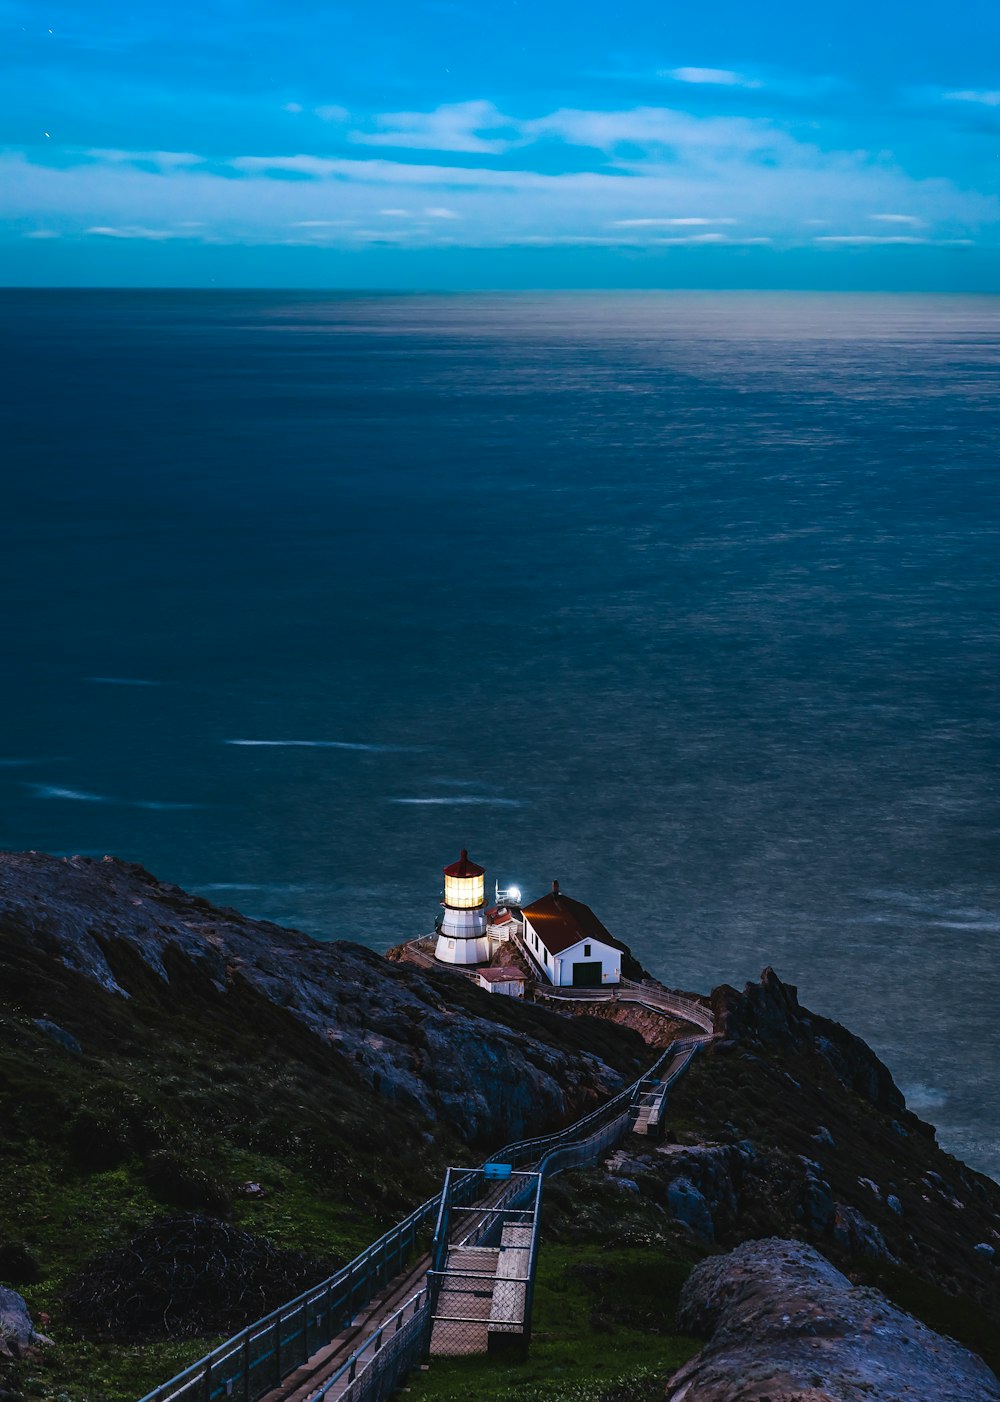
[{"x": 382, "y": 1340}]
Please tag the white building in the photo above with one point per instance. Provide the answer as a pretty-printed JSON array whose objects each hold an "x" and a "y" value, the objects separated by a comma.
[
  {"x": 568, "y": 942},
  {"x": 462, "y": 937},
  {"x": 503, "y": 925},
  {"x": 505, "y": 980}
]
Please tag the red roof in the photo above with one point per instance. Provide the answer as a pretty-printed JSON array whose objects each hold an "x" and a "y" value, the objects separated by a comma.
[
  {"x": 507, "y": 975},
  {"x": 463, "y": 867},
  {"x": 560, "y": 922},
  {"x": 499, "y": 915}
]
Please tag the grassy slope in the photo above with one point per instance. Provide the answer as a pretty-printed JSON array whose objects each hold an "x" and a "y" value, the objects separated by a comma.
[
  {"x": 603, "y": 1324},
  {"x": 180, "y": 1097}
]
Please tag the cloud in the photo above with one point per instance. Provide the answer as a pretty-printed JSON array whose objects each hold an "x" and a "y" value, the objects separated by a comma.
[
  {"x": 910, "y": 219},
  {"x": 457, "y": 126},
  {"x": 42, "y": 234},
  {"x": 332, "y": 113},
  {"x": 984, "y": 99},
  {"x": 718, "y": 77},
  {"x": 862, "y": 239},
  {"x": 666, "y": 223},
  {"x": 625, "y": 177},
  {"x": 292, "y": 107},
  {"x": 662, "y": 129},
  {"x": 163, "y": 160},
  {"x": 132, "y": 231}
]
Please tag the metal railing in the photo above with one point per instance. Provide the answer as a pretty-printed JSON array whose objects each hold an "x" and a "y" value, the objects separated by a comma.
[
  {"x": 376, "y": 1368},
  {"x": 261, "y": 1356},
  {"x": 258, "y": 1358}
]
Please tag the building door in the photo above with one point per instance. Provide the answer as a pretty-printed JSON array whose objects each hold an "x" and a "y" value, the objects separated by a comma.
[{"x": 587, "y": 975}]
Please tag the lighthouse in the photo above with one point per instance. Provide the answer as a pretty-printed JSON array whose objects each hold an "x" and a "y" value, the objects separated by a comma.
[{"x": 462, "y": 938}]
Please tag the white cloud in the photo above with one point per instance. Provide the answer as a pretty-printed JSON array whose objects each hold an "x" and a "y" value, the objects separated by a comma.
[
  {"x": 458, "y": 126},
  {"x": 631, "y": 180},
  {"x": 332, "y": 113},
  {"x": 42, "y": 234},
  {"x": 863, "y": 239},
  {"x": 132, "y": 231},
  {"x": 910, "y": 219},
  {"x": 984, "y": 99},
  {"x": 664, "y": 129},
  {"x": 667, "y": 223},
  {"x": 292, "y": 107},
  {"x": 165, "y": 160},
  {"x": 717, "y": 77},
  {"x": 869, "y": 238}
]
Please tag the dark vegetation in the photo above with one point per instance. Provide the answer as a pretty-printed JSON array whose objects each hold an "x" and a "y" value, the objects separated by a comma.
[
  {"x": 181, "y": 1099},
  {"x": 183, "y": 1276}
]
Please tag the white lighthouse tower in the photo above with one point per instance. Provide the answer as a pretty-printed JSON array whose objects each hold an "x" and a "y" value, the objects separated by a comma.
[{"x": 462, "y": 937}]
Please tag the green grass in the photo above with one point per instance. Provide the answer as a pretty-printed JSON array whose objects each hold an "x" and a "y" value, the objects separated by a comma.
[{"x": 603, "y": 1324}]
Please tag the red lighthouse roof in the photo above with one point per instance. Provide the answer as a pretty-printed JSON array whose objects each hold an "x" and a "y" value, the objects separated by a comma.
[{"x": 464, "y": 867}]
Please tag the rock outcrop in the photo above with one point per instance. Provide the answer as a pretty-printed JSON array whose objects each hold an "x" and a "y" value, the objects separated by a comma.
[
  {"x": 768, "y": 1015},
  {"x": 792, "y": 1127},
  {"x": 427, "y": 1041},
  {"x": 784, "y": 1325},
  {"x": 17, "y": 1333}
]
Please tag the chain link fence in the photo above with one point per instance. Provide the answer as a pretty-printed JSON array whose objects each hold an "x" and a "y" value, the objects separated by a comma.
[{"x": 482, "y": 1263}]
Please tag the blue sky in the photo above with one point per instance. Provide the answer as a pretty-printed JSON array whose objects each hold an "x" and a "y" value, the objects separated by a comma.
[{"x": 442, "y": 143}]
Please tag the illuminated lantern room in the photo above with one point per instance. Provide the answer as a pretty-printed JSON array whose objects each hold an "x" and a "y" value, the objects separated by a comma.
[
  {"x": 462, "y": 937},
  {"x": 464, "y": 884}
]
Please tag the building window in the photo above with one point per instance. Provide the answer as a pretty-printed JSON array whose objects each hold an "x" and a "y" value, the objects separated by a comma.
[{"x": 586, "y": 951}]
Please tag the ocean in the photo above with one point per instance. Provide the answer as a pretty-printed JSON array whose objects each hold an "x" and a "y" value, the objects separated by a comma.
[{"x": 690, "y": 601}]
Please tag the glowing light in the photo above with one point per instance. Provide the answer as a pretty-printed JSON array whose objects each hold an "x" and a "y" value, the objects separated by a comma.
[{"x": 464, "y": 892}]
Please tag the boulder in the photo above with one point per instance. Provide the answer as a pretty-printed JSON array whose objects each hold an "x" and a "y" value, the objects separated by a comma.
[
  {"x": 17, "y": 1333},
  {"x": 853, "y": 1231},
  {"x": 786, "y": 1326},
  {"x": 59, "y": 1035}
]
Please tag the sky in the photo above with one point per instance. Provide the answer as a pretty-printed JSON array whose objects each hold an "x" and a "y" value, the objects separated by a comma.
[{"x": 515, "y": 143}]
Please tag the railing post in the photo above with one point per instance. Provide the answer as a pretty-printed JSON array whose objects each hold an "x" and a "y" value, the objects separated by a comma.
[
  {"x": 246, "y": 1368},
  {"x": 208, "y": 1380},
  {"x": 277, "y": 1351}
]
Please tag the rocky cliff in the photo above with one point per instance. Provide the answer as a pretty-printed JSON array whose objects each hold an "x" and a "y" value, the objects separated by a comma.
[
  {"x": 425, "y": 1042},
  {"x": 172, "y": 1073},
  {"x": 165, "y": 1063},
  {"x": 790, "y": 1125}
]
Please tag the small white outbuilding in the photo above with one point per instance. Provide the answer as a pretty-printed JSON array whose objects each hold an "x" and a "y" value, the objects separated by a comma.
[{"x": 508, "y": 980}]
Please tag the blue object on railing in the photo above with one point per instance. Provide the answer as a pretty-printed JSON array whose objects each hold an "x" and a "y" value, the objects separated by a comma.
[{"x": 497, "y": 1171}]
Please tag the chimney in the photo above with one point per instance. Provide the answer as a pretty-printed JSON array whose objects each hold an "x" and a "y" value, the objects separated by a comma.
[{"x": 555, "y": 888}]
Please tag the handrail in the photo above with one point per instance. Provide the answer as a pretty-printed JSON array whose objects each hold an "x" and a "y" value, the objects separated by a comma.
[
  {"x": 349, "y": 1367},
  {"x": 371, "y": 1264}
]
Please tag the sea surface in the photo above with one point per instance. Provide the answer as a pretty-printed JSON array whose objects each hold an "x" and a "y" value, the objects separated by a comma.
[{"x": 690, "y": 601}]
